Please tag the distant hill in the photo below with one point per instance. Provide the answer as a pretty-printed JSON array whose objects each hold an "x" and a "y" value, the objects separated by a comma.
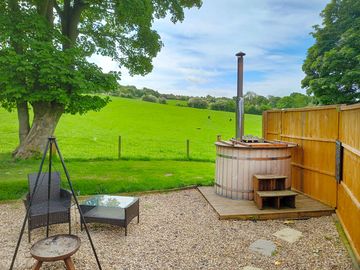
[{"x": 254, "y": 103}]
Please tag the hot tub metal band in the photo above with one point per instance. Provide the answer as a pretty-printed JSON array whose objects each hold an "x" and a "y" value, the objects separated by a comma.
[{"x": 253, "y": 158}]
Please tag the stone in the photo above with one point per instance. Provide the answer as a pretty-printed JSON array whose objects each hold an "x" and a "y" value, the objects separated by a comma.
[
  {"x": 264, "y": 247},
  {"x": 288, "y": 235},
  {"x": 251, "y": 268}
]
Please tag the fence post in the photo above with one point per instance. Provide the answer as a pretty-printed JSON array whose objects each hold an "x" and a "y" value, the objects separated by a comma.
[
  {"x": 119, "y": 148},
  {"x": 188, "y": 148}
]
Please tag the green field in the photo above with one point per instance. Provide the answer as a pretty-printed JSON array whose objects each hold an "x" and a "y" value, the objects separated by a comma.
[
  {"x": 109, "y": 176},
  {"x": 153, "y": 148},
  {"x": 177, "y": 102},
  {"x": 148, "y": 131}
]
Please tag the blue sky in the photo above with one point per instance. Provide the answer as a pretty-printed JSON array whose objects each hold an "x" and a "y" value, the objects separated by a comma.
[{"x": 198, "y": 57}]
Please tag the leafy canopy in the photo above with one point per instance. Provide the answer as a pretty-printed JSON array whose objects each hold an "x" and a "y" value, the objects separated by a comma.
[
  {"x": 332, "y": 66},
  {"x": 45, "y": 45}
]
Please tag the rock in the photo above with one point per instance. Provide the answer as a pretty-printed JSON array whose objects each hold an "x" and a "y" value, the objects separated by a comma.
[
  {"x": 251, "y": 268},
  {"x": 288, "y": 235},
  {"x": 264, "y": 247},
  {"x": 289, "y": 222}
]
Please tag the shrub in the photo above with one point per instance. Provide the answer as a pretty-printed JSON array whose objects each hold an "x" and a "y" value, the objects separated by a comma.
[
  {"x": 162, "y": 100},
  {"x": 149, "y": 98},
  {"x": 197, "y": 103},
  {"x": 252, "y": 109},
  {"x": 223, "y": 105}
]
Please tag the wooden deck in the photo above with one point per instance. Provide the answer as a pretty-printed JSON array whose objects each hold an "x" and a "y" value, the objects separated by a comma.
[{"x": 247, "y": 210}]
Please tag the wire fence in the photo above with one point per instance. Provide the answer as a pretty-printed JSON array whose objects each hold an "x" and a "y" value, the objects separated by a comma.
[{"x": 126, "y": 147}]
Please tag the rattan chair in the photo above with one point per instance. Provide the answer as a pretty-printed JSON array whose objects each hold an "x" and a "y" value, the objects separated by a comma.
[{"x": 59, "y": 204}]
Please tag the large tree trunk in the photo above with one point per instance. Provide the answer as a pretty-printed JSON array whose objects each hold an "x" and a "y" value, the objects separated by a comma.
[
  {"x": 46, "y": 117},
  {"x": 24, "y": 125},
  {"x": 23, "y": 117}
]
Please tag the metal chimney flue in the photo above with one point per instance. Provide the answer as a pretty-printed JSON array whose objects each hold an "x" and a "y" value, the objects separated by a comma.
[{"x": 239, "y": 132}]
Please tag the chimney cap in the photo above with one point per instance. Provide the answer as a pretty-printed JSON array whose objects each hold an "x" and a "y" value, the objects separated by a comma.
[{"x": 240, "y": 54}]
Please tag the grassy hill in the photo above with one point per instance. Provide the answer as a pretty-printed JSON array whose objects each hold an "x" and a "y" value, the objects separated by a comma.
[
  {"x": 154, "y": 132},
  {"x": 148, "y": 131}
]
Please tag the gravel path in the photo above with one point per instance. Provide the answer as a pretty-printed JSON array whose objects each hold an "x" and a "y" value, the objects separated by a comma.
[{"x": 179, "y": 230}]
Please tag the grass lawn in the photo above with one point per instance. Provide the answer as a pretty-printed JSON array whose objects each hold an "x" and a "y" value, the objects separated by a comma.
[
  {"x": 148, "y": 130},
  {"x": 153, "y": 149},
  {"x": 177, "y": 102},
  {"x": 109, "y": 176}
]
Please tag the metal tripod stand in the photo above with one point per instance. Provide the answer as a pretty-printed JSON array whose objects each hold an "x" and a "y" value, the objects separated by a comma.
[{"x": 49, "y": 147}]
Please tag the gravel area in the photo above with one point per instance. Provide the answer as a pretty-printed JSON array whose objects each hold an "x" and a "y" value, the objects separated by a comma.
[{"x": 180, "y": 230}]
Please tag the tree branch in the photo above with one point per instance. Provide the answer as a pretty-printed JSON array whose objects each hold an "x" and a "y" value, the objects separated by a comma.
[
  {"x": 74, "y": 19},
  {"x": 42, "y": 7},
  {"x": 58, "y": 10}
]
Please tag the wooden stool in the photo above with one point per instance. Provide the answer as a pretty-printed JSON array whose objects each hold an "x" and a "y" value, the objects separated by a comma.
[{"x": 55, "y": 248}]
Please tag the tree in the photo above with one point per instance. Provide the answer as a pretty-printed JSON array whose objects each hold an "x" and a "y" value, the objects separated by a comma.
[
  {"x": 44, "y": 46},
  {"x": 148, "y": 91},
  {"x": 273, "y": 100},
  {"x": 332, "y": 66},
  {"x": 294, "y": 100}
]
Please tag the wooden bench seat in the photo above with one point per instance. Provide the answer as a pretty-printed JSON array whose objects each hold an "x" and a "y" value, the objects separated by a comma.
[{"x": 277, "y": 197}]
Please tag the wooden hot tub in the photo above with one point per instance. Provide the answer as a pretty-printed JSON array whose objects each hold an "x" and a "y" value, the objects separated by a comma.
[{"x": 236, "y": 163}]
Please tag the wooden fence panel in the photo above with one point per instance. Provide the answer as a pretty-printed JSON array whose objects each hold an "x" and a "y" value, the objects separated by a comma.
[
  {"x": 272, "y": 125},
  {"x": 348, "y": 208},
  {"x": 316, "y": 130}
]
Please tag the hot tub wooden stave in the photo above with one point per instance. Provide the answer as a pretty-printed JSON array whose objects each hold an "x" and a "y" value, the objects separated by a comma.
[{"x": 236, "y": 165}]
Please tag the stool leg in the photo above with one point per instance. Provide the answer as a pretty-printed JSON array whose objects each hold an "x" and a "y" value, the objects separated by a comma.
[
  {"x": 37, "y": 265},
  {"x": 69, "y": 264}
]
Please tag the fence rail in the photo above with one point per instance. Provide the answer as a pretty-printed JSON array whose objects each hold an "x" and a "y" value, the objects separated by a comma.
[
  {"x": 125, "y": 147},
  {"x": 316, "y": 131}
]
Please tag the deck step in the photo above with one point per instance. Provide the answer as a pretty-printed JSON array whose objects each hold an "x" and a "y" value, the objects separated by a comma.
[
  {"x": 277, "y": 198},
  {"x": 276, "y": 193}
]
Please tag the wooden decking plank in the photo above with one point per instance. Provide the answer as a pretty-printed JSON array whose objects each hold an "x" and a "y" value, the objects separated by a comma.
[{"x": 246, "y": 210}]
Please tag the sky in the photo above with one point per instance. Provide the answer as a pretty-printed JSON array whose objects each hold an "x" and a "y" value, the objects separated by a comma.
[{"x": 198, "y": 57}]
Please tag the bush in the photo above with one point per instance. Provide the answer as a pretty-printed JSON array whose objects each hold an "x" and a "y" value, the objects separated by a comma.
[
  {"x": 252, "y": 109},
  {"x": 162, "y": 100},
  {"x": 149, "y": 98},
  {"x": 197, "y": 103},
  {"x": 223, "y": 105}
]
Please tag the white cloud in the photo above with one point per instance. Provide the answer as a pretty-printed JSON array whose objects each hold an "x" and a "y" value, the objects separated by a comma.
[{"x": 199, "y": 54}]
